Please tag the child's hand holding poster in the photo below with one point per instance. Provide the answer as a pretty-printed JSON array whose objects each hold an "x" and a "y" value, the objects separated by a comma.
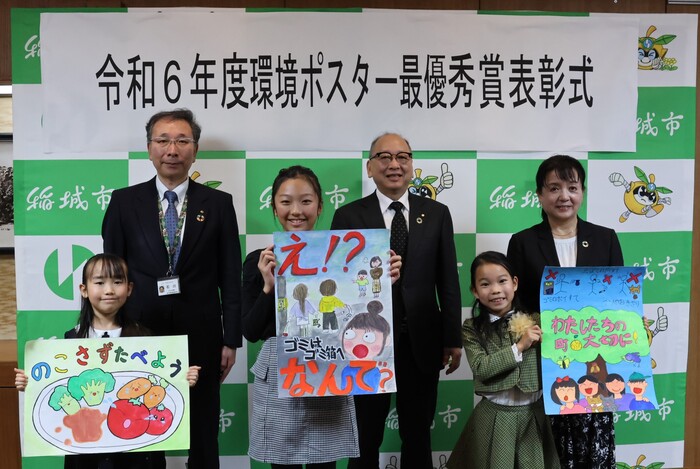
[
  {"x": 595, "y": 351},
  {"x": 106, "y": 395},
  {"x": 333, "y": 297}
]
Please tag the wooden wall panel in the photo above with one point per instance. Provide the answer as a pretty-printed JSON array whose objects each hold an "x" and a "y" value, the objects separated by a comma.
[
  {"x": 398, "y": 4},
  {"x": 692, "y": 409},
  {"x": 599, "y": 6},
  {"x": 692, "y": 430}
]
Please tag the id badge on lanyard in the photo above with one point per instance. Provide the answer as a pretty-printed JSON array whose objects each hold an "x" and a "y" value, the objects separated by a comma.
[{"x": 170, "y": 284}]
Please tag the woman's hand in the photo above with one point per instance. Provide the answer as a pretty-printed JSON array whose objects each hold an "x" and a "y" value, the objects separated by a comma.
[
  {"x": 267, "y": 265},
  {"x": 531, "y": 336},
  {"x": 21, "y": 380},
  {"x": 394, "y": 266}
]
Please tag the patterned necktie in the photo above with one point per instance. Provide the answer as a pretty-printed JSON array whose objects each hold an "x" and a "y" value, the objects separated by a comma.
[
  {"x": 399, "y": 231},
  {"x": 171, "y": 221}
]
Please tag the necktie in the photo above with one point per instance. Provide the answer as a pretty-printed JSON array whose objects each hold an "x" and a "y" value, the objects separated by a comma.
[
  {"x": 399, "y": 231},
  {"x": 171, "y": 221}
]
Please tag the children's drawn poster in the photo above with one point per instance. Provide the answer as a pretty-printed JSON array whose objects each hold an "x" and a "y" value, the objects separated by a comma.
[
  {"x": 334, "y": 313},
  {"x": 595, "y": 351},
  {"x": 106, "y": 395}
]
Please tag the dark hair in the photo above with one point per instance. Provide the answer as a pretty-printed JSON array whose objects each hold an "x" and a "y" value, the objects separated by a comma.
[
  {"x": 181, "y": 114},
  {"x": 564, "y": 382},
  {"x": 362, "y": 272},
  {"x": 613, "y": 377},
  {"x": 375, "y": 258},
  {"x": 300, "y": 292},
  {"x": 482, "y": 323},
  {"x": 297, "y": 172},
  {"x": 565, "y": 167},
  {"x": 371, "y": 320},
  {"x": 328, "y": 287},
  {"x": 111, "y": 266},
  {"x": 374, "y": 142},
  {"x": 592, "y": 379}
]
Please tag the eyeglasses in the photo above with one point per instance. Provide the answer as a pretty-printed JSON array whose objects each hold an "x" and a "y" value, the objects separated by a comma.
[
  {"x": 384, "y": 157},
  {"x": 180, "y": 142}
]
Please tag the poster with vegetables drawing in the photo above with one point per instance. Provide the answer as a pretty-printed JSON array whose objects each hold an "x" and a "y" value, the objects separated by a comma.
[
  {"x": 106, "y": 395},
  {"x": 334, "y": 313},
  {"x": 595, "y": 341}
]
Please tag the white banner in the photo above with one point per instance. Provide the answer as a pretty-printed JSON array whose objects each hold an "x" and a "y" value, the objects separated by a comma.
[{"x": 450, "y": 80}]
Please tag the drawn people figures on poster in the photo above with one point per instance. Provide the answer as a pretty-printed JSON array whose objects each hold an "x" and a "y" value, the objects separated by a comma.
[
  {"x": 337, "y": 340},
  {"x": 303, "y": 311},
  {"x": 565, "y": 393},
  {"x": 106, "y": 395},
  {"x": 364, "y": 338},
  {"x": 376, "y": 274},
  {"x": 595, "y": 351},
  {"x": 361, "y": 281}
]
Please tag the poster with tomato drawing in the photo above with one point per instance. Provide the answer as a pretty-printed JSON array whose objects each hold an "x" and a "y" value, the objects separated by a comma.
[
  {"x": 595, "y": 341},
  {"x": 106, "y": 395},
  {"x": 334, "y": 313}
]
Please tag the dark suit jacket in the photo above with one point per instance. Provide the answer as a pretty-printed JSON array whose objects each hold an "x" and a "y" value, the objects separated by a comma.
[
  {"x": 429, "y": 273},
  {"x": 209, "y": 265},
  {"x": 530, "y": 250}
]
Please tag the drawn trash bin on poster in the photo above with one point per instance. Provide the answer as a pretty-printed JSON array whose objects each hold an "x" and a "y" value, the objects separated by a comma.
[
  {"x": 595, "y": 352},
  {"x": 106, "y": 395},
  {"x": 334, "y": 332}
]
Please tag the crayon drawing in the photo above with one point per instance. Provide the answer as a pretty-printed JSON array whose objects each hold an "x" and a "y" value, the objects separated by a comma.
[
  {"x": 595, "y": 352},
  {"x": 106, "y": 395},
  {"x": 334, "y": 312}
]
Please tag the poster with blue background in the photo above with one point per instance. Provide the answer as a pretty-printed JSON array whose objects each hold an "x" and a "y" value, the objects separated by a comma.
[{"x": 595, "y": 350}]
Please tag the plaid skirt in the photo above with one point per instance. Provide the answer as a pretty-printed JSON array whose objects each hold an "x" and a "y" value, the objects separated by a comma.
[
  {"x": 505, "y": 437},
  {"x": 297, "y": 430}
]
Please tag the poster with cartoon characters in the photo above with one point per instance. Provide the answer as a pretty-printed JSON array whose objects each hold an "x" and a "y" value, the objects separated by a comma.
[
  {"x": 595, "y": 352},
  {"x": 106, "y": 395},
  {"x": 334, "y": 313}
]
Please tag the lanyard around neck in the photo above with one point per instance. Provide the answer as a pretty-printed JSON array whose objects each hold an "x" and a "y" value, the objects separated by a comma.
[{"x": 172, "y": 250}]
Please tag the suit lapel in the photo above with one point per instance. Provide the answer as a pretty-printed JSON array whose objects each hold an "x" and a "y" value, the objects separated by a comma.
[
  {"x": 546, "y": 244},
  {"x": 417, "y": 217},
  {"x": 146, "y": 212},
  {"x": 197, "y": 215},
  {"x": 583, "y": 250},
  {"x": 372, "y": 215}
]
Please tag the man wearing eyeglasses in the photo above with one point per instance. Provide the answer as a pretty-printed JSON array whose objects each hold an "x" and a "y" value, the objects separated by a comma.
[
  {"x": 426, "y": 303},
  {"x": 180, "y": 241}
]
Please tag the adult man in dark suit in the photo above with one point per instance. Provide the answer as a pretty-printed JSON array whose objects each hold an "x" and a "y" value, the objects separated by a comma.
[
  {"x": 186, "y": 280},
  {"x": 426, "y": 334}
]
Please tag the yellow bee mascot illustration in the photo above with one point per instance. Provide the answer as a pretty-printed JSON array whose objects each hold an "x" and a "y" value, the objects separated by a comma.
[
  {"x": 651, "y": 53},
  {"x": 641, "y": 197},
  {"x": 423, "y": 186}
]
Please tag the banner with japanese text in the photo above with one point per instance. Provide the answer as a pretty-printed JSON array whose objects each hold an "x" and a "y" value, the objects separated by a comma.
[
  {"x": 402, "y": 64},
  {"x": 450, "y": 79},
  {"x": 334, "y": 313},
  {"x": 595, "y": 352},
  {"x": 106, "y": 395}
]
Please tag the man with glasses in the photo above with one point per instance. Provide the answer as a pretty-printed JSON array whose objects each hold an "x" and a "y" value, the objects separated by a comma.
[
  {"x": 426, "y": 303},
  {"x": 180, "y": 241}
]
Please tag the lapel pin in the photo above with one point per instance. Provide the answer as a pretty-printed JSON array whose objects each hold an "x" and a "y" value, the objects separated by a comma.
[
  {"x": 419, "y": 220},
  {"x": 200, "y": 216},
  {"x": 584, "y": 244}
]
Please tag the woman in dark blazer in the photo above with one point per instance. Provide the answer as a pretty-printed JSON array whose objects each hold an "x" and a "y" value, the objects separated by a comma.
[{"x": 563, "y": 239}]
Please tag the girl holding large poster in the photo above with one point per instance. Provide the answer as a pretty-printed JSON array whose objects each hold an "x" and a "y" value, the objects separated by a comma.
[{"x": 290, "y": 431}]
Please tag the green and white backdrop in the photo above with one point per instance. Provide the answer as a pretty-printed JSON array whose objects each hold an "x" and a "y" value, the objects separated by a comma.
[{"x": 482, "y": 98}]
